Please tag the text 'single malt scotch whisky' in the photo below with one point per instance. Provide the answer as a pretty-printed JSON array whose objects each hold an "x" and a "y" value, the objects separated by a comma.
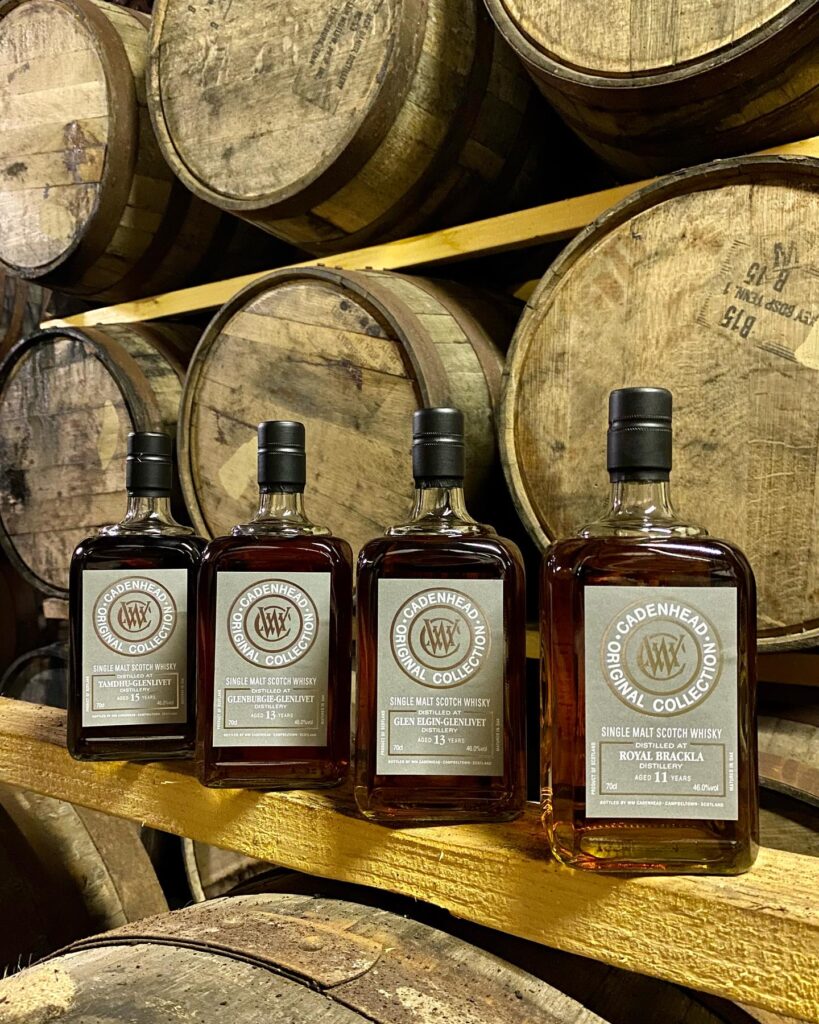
[
  {"x": 441, "y": 653},
  {"x": 648, "y": 635},
  {"x": 275, "y": 638},
  {"x": 133, "y": 623}
]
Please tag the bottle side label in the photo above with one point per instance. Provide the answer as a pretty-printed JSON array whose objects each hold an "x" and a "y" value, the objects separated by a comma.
[
  {"x": 134, "y": 647},
  {"x": 271, "y": 661},
  {"x": 441, "y": 655},
  {"x": 661, "y": 702}
]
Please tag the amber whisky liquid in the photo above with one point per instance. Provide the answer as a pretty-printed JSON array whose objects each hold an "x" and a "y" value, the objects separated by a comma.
[
  {"x": 414, "y": 798},
  {"x": 278, "y": 767},
  {"x": 648, "y": 635},
  {"x": 141, "y": 556}
]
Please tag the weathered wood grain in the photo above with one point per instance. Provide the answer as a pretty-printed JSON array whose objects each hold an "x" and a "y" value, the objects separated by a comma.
[
  {"x": 22, "y": 306},
  {"x": 68, "y": 400},
  {"x": 752, "y": 938},
  {"x": 548, "y": 223},
  {"x": 652, "y": 86},
  {"x": 789, "y": 753},
  {"x": 706, "y": 283},
  {"x": 212, "y": 872},
  {"x": 345, "y": 123},
  {"x": 68, "y": 872},
  {"x": 351, "y": 355},
  {"x": 87, "y": 202},
  {"x": 289, "y": 958},
  {"x": 38, "y": 675}
]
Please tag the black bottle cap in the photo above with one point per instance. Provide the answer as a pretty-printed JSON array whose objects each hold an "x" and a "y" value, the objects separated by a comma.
[
  {"x": 149, "y": 464},
  {"x": 639, "y": 438},
  {"x": 438, "y": 446},
  {"x": 282, "y": 461}
]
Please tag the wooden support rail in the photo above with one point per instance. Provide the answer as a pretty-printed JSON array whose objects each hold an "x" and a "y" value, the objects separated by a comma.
[
  {"x": 754, "y": 938},
  {"x": 549, "y": 223}
]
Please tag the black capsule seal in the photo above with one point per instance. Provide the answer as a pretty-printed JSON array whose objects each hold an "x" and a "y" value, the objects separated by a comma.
[
  {"x": 438, "y": 447},
  {"x": 639, "y": 437},
  {"x": 149, "y": 464},
  {"x": 282, "y": 460}
]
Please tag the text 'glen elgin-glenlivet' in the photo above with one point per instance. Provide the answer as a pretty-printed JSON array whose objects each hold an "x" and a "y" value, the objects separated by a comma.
[{"x": 441, "y": 653}]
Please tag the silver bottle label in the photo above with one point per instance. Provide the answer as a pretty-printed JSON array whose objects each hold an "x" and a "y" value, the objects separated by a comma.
[
  {"x": 271, "y": 662},
  {"x": 134, "y": 647},
  {"x": 661, "y": 702},
  {"x": 441, "y": 655}
]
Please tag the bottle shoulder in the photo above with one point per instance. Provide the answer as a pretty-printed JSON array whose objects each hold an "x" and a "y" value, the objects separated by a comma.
[
  {"x": 430, "y": 554},
  {"x": 132, "y": 550},
  {"x": 633, "y": 557},
  {"x": 263, "y": 552}
]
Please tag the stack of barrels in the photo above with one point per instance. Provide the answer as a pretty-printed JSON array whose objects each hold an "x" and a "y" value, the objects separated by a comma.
[{"x": 134, "y": 141}]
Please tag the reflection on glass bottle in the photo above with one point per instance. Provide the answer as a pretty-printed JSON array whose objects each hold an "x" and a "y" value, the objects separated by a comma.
[
  {"x": 275, "y": 638},
  {"x": 132, "y": 623},
  {"x": 648, "y": 634},
  {"x": 441, "y": 653}
]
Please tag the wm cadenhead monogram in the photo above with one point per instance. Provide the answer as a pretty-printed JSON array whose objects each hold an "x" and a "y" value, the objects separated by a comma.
[
  {"x": 135, "y": 616},
  {"x": 662, "y": 657},
  {"x": 273, "y": 623},
  {"x": 440, "y": 637}
]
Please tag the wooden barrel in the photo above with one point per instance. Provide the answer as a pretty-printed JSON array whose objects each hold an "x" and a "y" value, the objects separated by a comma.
[
  {"x": 22, "y": 307},
  {"x": 87, "y": 203},
  {"x": 212, "y": 872},
  {"x": 311, "y": 959},
  {"x": 351, "y": 354},
  {"x": 18, "y": 614},
  {"x": 68, "y": 399},
  {"x": 336, "y": 125},
  {"x": 706, "y": 283},
  {"x": 653, "y": 86},
  {"x": 66, "y": 872},
  {"x": 789, "y": 750},
  {"x": 39, "y": 676}
]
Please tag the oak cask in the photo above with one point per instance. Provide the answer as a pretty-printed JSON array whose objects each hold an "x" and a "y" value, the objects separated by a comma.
[
  {"x": 350, "y": 354},
  {"x": 67, "y": 872},
  {"x": 87, "y": 203},
  {"x": 336, "y": 125},
  {"x": 706, "y": 283},
  {"x": 68, "y": 400},
  {"x": 288, "y": 958},
  {"x": 652, "y": 86}
]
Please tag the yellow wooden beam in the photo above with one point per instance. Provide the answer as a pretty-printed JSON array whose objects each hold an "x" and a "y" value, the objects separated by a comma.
[
  {"x": 549, "y": 223},
  {"x": 754, "y": 938}
]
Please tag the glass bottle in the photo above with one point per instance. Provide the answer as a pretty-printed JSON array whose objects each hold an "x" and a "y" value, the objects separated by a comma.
[
  {"x": 648, "y": 636},
  {"x": 275, "y": 638},
  {"x": 441, "y": 653},
  {"x": 132, "y": 613}
]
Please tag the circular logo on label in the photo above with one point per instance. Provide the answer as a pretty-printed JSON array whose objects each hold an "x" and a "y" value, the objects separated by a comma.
[
  {"x": 273, "y": 623},
  {"x": 662, "y": 657},
  {"x": 135, "y": 616},
  {"x": 440, "y": 638}
]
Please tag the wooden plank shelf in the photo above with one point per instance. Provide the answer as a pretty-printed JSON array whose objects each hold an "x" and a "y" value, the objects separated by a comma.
[
  {"x": 753, "y": 938},
  {"x": 551, "y": 222}
]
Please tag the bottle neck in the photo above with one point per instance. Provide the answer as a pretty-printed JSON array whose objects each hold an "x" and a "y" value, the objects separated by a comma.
[
  {"x": 645, "y": 500},
  {"x": 439, "y": 508},
  {"x": 145, "y": 514},
  {"x": 143, "y": 509},
  {"x": 641, "y": 508},
  {"x": 281, "y": 507},
  {"x": 280, "y": 514}
]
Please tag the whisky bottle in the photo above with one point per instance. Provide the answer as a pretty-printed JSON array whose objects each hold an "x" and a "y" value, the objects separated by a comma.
[
  {"x": 441, "y": 653},
  {"x": 132, "y": 618},
  {"x": 275, "y": 638},
  {"x": 648, "y": 640}
]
